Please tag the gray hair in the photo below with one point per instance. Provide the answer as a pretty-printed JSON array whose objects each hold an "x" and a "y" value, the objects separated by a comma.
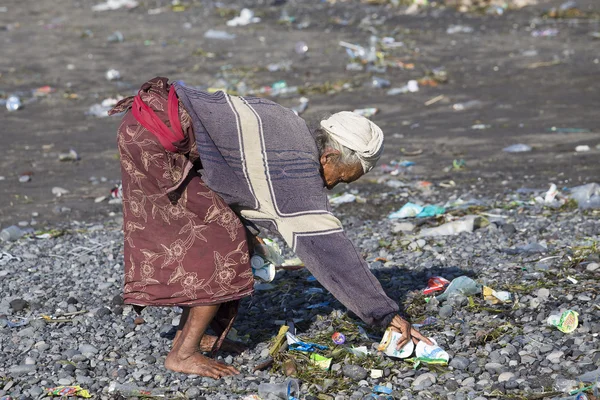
[{"x": 324, "y": 141}]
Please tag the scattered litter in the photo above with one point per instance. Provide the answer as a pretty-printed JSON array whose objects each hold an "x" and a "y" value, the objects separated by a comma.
[
  {"x": 262, "y": 269},
  {"x": 296, "y": 344},
  {"x": 435, "y": 100},
  {"x": 587, "y": 196},
  {"x": 467, "y": 105},
  {"x": 411, "y": 87},
  {"x": 320, "y": 361},
  {"x": 16, "y": 322},
  {"x": 572, "y": 280},
  {"x": 301, "y": 48},
  {"x": 299, "y": 109},
  {"x": 101, "y": 110},
  {"x": 11, "y": 234},
  {"x": 582, "y": 148},
  {"x": 288, "y": 390},
  {"x": 435, "y": 284},
  {"x": 433, "y": 354},
  {"x": 360, "y": 351},
  {"x": 366, "y": 112},
  {"x": 552, "y": 197},
  {"x": 408, "y": 210},
  {"x": 338, "y": 338},
  {"x": 389, "y": 345},
  {"x": 548, "y": 32},
  {"x": 246, "y": 17},
  {"x": 566, "y": 322},
  {"x": 377, "y": 389},
  {"x": 496, "y": 297},
  {"x": 5, "y": 258},
  {"x": 463, "y": 285},
  {"x": 376, "y": 373},
  {"x": 569, "y": 130},
  {"x": 131, "y": 390},
  {"x": 13, "y": 103},
  {"x": 468, "y": 224},
  {"x": 517, "y": 148},
  {"x": 379, "y": 83},
  {"x": 453, "y": 29},
  {"x": 219, "y": 35},
  {"x": 58, "y": 191},
  {"x": 24, "y": 178},
  {"x": 115, "y": 5},
  {"x": 67, "y": 391},
  {"x": 113, "y": 75},
  {"x": 346, "y": 198},
  {"x": 70, "y": 156},
  {"x": 115, "y": 37}
]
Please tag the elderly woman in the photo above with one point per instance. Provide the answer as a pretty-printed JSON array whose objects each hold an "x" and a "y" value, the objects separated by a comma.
[{"x": 201, "y": 172}]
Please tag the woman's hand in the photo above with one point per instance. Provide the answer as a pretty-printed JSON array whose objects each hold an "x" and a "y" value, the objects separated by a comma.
[{"x": 401, "y": 325}]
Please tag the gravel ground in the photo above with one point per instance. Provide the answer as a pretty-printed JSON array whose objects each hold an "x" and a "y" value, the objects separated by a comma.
[{"x": 497, "y": 351}]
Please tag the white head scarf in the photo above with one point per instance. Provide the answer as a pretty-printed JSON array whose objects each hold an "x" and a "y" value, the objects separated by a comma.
[{"x": 358, "y": 134}]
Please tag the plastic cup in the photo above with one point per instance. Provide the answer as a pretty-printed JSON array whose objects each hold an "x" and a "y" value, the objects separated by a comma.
[{"x": 285, "y": 390}]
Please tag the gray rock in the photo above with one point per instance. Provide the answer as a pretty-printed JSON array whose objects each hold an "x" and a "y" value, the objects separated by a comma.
[
  {"x": 543, "y": 294},
  {"x": 424, "y": 381},
  {"x": 460, "y": 363},
  {"x": 87, "y": 349},
  {"x": 446, "y": 311},
  {"x": 468, "y": 382},
  {"x": 19, "y": 305},
  {"x": 590, "y": 376},
  {"x": 193, "y": 392},
  {"x": 591, "y": 267},
  {"x": 403, "y": 227},
  {"x": 506, "y": 376},
  {"x": 27, "y": 332},
  {"x": 21, "y": 369},
  {"x": 509, "y": 229},
  {"x": 555, "y": 357},
  {"x": 102, "y": 312},
  {"x": 493, "y": 368},
  {"x": 354, "y": 372}
]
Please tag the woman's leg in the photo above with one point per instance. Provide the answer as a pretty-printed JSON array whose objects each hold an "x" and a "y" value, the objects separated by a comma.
[{"x": 185, "y": 356}]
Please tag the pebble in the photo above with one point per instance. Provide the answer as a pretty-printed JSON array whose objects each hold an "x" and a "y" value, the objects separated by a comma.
[
  {"x": 424, "y": 381},
  {"x": 21, "y": 369},
  {"x": 446, "y": 311},
  {"x": 543, "y": 294},
  {"x": 506, "y": 376},
  {"x": 354, "y": 372},
  {"x": 555, "y": 357},
  {"x": 592, "y": 267},
  {"x": 459, "y": 362},
  {"x": 87, "y": 349},
  {"x": 18, "y": 305}
]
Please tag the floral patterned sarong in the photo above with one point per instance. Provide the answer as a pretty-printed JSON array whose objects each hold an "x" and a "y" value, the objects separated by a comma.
[{"x": 183, "y": 245}]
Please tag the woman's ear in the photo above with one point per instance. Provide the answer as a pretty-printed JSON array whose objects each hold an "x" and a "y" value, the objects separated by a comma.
[{"x": 330, "y": 156}]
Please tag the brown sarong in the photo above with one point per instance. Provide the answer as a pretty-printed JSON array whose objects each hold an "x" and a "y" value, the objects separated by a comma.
[{"x": 183, "y": 245}]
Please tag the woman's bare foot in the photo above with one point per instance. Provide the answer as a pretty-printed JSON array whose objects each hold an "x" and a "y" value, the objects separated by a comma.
[
  {"x": 228, "y": 346},
  {"x": 197, "y": 364},
  {"x": 208, "y": 341}
]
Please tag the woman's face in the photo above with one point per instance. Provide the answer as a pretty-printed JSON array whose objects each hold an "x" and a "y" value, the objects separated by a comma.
[{"x": 334, "y": 172}]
